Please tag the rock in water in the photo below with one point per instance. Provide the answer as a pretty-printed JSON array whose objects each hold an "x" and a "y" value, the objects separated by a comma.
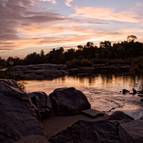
[
  {"x": 125, "y": 91},
  {"x": 68, "y": 101},
  {"x": 88, "y": 132},
  {"x": 17, "y": 117},
  {"x": 131, "y": 132},
  {"x": 42, "y": 103}
]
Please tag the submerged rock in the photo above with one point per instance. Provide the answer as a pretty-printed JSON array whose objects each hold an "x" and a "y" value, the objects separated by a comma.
[
  {"x": 88, "y": 132},
  {"x": 68, "y": 101},
  {"x": 42, "y": 104},
  {"x": 17, "y": 115}
]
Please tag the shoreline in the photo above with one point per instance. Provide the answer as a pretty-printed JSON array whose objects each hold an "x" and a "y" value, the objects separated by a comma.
[
  {"x": 53, "y": 71},
  {"x": 65, "y": 115}
]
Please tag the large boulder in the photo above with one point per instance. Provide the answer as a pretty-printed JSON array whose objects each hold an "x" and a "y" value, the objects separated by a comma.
[
  {"x": 17, "y": 116},
  {"x": 131, "y": 132},
  {"x": 68, "y": 101},
  {"x": 88, "y": 132},
  {"x": 42, "y": 103}
]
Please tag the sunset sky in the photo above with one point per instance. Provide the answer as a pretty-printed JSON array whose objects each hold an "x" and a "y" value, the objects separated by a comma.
[{"x": 31, "y": 25}]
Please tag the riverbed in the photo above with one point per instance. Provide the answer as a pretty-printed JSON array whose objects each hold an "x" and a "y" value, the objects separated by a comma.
[{"x": 103, "y": 92}]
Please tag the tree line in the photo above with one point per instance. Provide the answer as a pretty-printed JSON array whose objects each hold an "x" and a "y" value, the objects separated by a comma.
[{"x": 125, "y": 52}]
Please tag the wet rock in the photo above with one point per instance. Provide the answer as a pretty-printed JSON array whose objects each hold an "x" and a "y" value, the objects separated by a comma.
[
  {"x": 120, "y": 116},
  {"x": 140, "y": 92},
  {"x": 42, "y": 103},
  {"x": 68, "y": 101},
  {"x": 17, "y": 115},
  {"x": 131, "y": 132},
  {"x": 140, "y": 95},
  {"x": 134, "y": 91},
  {"x": 88, "y": 132},
  {"x": 125, "y": 91}
]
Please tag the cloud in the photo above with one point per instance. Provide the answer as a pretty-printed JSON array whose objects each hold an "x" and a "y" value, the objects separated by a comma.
[
  {"x": 15, "y": 14},
  {"x": 24, "y": 26},
  {"x": 68, "y": 3},
  {"x": 107, "y": 14},
  {"x": 51, "y": 1}
]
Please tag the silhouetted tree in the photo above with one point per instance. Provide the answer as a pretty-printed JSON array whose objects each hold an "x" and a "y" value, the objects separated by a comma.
[
  {"x": 80, "y": 47},
  {"x": 105, "y": 44},
  {"x": 125, "y": 52},
  {"x": 131, "y": 38}
]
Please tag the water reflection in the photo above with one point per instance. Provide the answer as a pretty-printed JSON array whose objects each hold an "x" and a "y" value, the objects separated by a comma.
[{"x": 102, "y": 91}]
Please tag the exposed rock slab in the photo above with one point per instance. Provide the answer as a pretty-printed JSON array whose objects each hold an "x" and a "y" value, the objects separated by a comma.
[
  {"x": 120, "y": 116},
  {"x": 132, "y": 132},
  {"x": 88, "y": 132},
  {"x": 39, "y": 71},
  {"x": 33, "y": 139}
]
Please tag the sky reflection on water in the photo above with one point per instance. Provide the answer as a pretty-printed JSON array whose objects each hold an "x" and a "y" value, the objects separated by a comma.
[{"x": 103, "y": 92}]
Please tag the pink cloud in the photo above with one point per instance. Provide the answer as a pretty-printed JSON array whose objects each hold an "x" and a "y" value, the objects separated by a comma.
[{"x": 106, "y": 14}]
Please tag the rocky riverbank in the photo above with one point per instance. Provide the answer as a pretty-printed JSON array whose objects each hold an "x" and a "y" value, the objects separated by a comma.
[
  {"x": 51, "y": 71},
  {"x": 64, "y": 116}
]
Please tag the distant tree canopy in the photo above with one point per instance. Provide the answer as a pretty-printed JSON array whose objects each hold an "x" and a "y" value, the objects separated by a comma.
[
  {"x": 84, "y": 55},
  {"x": 131, "y": 38}
]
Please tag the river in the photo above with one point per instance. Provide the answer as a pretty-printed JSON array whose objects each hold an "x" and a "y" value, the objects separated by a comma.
[{"x": 103, "y": 92}]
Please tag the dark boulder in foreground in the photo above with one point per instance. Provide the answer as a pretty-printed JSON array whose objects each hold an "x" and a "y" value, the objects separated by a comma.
[
  {"x": 88, "y": 132},
  {"x": 132, "y": 132},
  {"x": 42, "y": 104},
  {"x": 17, "y": 118},
  {"x": 68, "y": 101}
]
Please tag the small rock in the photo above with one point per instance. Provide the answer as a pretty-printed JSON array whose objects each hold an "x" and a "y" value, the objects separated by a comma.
[
  {"x": 125, "y": 91},
  {"x": 42, "y": 103}
]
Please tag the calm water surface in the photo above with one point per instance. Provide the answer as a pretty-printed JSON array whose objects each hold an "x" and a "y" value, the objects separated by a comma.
[{"x": 103, "y": 92}]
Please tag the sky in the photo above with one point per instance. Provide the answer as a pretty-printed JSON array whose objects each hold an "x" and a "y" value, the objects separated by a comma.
[{"x": 27, "y": 26}]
